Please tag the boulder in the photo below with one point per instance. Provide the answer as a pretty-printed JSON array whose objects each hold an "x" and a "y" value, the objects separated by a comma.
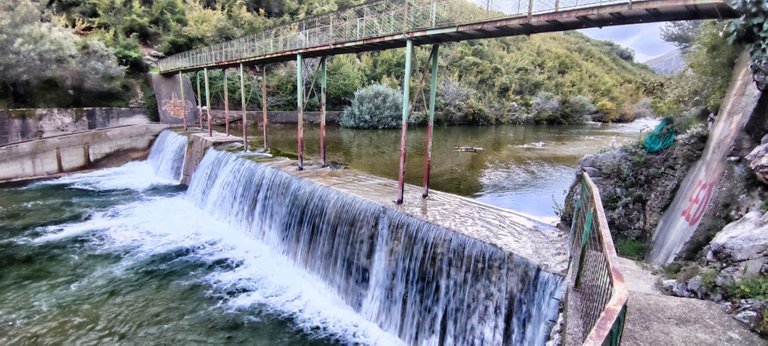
[
  {"x": 741, "y": 247},
  {"x": 758, "y": 161}
]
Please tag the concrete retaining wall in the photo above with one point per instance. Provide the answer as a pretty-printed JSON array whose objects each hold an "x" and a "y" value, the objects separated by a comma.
[
  {"x": 51, "y": 156},
  {"x": 18, "y": 125}
]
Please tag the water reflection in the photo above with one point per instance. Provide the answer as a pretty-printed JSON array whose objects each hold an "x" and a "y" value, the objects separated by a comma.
[{"x": 526, "y": 168}]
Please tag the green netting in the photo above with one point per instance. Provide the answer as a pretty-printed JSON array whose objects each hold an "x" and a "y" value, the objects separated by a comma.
[{"x": 662, "y": 137}]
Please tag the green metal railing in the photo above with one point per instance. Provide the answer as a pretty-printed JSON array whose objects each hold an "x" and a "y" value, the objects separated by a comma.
[
  {"x": 594, "y": 264},
  {"x": 368, "y": 21}
]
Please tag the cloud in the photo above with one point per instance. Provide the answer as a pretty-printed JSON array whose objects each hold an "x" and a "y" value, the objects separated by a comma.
[{"x": 644, "y": 39}]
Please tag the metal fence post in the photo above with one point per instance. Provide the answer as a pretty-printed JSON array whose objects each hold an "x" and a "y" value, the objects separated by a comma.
[
  {"x": 323, "y": 84},
  {"x": 431, "y": 122},
  {"x": 183, "y": 100},
  {"x": 226, "y": 103},
  {"x": 245, "y": 114},
  {"x": 264, "y": 117},
  {"x": 208, "y": 102},
  {"x": 406, "y": 113},
  {"x": 199, "y": 101},
  {"x": 300, "y": 110}
]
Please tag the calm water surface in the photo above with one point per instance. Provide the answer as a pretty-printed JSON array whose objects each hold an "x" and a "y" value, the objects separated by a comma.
[{"x": 525, "y": 168}]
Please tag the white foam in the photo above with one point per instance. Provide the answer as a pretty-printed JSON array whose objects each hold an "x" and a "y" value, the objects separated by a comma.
[
  {"x": 138, "y": 176},
  {"x": 266, "y": 278}
]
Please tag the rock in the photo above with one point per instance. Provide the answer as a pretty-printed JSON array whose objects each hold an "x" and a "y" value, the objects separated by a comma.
[
  {"x": 758, "y": 161},
  {"x": 764, "y": 140},
  {"x": 743, "y": 240},
  {"x": 155, "y": 54},
  {"x": 668, "y": 285},
  {"x": 748, "y": 317},
  {"x": 695, "y": 287},
  {"x": 681, "y": 290},
  {"x": 593, "y": 172}
]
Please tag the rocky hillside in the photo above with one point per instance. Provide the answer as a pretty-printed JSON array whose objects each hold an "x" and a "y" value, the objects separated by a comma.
[{"x": 668, "y": 64}]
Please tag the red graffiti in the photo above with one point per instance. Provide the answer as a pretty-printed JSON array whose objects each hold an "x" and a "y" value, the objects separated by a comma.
[
  {"x": 698, "y": 202},
  {"x": 176, "y": 108}
]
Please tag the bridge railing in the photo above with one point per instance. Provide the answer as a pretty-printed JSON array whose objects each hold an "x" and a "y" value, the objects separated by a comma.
[
  {"x": 367, "y": 21},
  {"x": 594, "y": 263}
]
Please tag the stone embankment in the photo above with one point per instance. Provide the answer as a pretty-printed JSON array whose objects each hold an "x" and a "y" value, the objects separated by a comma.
[{"x": 275, "y": 117}]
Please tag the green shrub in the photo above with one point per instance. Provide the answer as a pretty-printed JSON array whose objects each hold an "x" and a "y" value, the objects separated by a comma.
[
  {"x": 751, "y": 287},
  {"x": 631, "y": 248},
  {"x": 374, "y": 107}
]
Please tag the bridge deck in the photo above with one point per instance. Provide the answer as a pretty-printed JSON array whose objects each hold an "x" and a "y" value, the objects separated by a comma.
[{"x": 386, "y": 24}]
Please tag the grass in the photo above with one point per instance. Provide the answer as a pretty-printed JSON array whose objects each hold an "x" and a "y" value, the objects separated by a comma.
[{"x": 631, "y": 248}]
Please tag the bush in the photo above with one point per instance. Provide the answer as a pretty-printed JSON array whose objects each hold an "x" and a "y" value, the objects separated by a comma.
[{"x": 374, "y": 107}]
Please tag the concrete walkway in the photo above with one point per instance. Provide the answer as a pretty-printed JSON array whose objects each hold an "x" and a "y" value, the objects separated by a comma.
[{"x": 657, "y": 319}]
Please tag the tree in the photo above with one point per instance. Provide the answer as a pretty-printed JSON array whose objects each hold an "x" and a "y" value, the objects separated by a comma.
[
  {"x": 374, "y": 107},
  {"x": 681, "y": 34}
]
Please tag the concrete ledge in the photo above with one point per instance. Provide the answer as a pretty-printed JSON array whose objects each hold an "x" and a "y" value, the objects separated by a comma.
[{"x": 50, "y": 156}]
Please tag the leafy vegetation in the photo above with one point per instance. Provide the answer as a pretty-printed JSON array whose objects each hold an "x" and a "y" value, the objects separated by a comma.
[
  {"x": 374, "y": 107},
  {"x": 751, "y": 29}
]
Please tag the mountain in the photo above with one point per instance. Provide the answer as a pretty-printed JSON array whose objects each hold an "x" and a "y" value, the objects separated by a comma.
[{"x": 668, "y": 64}]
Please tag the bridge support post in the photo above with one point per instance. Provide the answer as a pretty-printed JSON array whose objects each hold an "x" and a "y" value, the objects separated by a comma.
[
  {"x": 207, "y": 102},
  {"x": 406, "y": 113},
  {"x": 199, "y": 102},
  {"x": 265, "y": 119},
  {"x": 323, "y": 85},
  {"x": 245, "y": 115},
  {"x": 431, "y": 122},
  {"x": 300, "y": 109},
  {"x": 183, "y": 100},
  {"x": 226, "y": 103}
]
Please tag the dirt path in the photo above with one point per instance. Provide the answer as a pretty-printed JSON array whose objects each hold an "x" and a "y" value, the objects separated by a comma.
[{"x": 657, "y": 319}]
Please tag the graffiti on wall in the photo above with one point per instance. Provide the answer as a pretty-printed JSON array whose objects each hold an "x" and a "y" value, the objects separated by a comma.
[
  {"x": 177, "y": 108},
  {"x": 698, "y": 202}
]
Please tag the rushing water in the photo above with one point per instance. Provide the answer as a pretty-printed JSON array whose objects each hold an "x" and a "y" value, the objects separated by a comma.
[{"x": 525, "y": 168}]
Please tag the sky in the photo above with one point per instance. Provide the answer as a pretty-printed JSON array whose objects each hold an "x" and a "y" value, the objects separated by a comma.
[{"x": 644, "y": 39}]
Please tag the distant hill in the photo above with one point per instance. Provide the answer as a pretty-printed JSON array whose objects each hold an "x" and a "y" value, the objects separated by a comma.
[{"x": 668, "y": 64}]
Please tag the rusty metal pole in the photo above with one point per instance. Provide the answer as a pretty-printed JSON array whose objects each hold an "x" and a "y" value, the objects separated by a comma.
[
  {"x": 207, "y": 102},
  {"x": 323, "y": 85},
  {"x": 431, "y": 123},
  {"x": 183, "y": 100},
  {"x": 264, "y": 118},
  {"x": 199, "y": 101},
  {"x": 406, "y": 113},
  {"x": 245, "y": 115},
  {"x": 300, "y": 110},
  {"x": 226, "y": 104}
]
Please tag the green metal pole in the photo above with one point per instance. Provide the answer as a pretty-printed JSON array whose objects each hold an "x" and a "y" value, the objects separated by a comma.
[
  {"x": 406, "y": 113},
  {"x": 183, "y": 101},
  {"x": 431, "y": 123},
  {"x": 264, "y": 117},
  {"x": 199, "y": 101},
  {"x": 323, "y": 85},
  {"x": 245, "y": 115},
  {"x": 207, "y": 102},
  {"x": 300, "y": 110},
  {"x": 226, "y": 104}
]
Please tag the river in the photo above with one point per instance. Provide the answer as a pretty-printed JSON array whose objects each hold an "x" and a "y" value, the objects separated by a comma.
[
  {"x": 525, "y": 168},
  {"x": 127, "y": 256}
]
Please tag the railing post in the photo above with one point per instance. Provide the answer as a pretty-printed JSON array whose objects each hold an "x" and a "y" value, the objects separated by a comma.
[
  {"x": 431, "y": 122},
  {"x": 207, "y": 102},
  {"x": 183, "y": 100},
  {"x": 433, "y": 14},
  {"x": 264, "y": 118},
  {"x": 557, "y": 5},
  {"x": 300, "y": 109},
  {"x": 226, "y": 103},
  {"x": 323, "y": 84},
  {"x": 199, "y": 101},
  {"x": 530, "y": 10},
  {"x": 406, "y": 113},
  {"x": 245, "y": 114}
]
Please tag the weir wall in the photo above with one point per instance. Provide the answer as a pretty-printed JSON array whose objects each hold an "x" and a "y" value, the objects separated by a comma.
[
  {"x": 56, "y": 155},
  {"x": 446, "y": 269}
]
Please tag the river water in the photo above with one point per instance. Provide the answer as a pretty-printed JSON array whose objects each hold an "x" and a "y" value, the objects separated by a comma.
[
  {"x": 525, "y": 168},
  {"x": 124, "y": 255}
]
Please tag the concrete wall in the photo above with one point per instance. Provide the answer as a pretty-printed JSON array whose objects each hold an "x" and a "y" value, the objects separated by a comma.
[
  {"x": 198, "y": 144},
  {"x": 169, "y": 100},
  {"x": 50, "y": 156},
  {"x": 18, "y": 125}
]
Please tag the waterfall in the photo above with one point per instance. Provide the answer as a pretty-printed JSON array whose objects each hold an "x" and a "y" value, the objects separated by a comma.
[
  {"x": 421, "y": 282},
  {"x": 167, "y": 155}
]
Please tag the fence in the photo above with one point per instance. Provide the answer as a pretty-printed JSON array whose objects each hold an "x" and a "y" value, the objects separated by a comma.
[
  {"x": 367, "y": 21},
  {"x": 598, "y": 281}
]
